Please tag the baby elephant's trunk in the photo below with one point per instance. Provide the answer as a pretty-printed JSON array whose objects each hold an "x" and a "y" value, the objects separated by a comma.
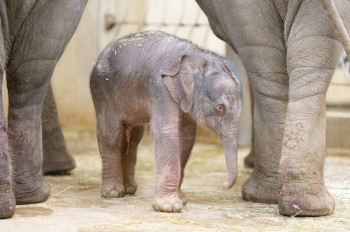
[{"x": 229, "y": 142}]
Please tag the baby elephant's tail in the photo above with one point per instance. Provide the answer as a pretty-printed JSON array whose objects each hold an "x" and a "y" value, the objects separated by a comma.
[
  {"x": 97, "y": 82},
  {"x": 94, "y": 80}
]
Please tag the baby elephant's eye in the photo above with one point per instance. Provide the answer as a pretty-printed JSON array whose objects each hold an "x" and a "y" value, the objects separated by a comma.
[{"x": 220, "y": 108}]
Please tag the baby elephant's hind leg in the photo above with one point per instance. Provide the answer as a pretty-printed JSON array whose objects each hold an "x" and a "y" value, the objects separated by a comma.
[
  {"x": 110, "y": 140},
  {"x": 188, "y": 131},
  {"x": 132, "y": 139}
]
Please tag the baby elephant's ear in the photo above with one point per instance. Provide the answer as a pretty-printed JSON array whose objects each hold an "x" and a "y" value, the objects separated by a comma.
[{"x": 178, "y": 79}]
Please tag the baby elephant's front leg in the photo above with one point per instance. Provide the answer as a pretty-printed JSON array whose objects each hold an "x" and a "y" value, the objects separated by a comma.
[{"x": 168, "y": 168}]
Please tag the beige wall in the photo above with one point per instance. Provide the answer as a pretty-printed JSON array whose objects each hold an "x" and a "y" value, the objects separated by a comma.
[{"x": 71, "y": 77}]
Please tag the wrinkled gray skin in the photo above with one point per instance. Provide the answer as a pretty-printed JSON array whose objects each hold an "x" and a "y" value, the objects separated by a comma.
[
  {"x": 290, "y": 51},
  {"x": 56, "y": 159},
  {"x": 33, "y": 35},
  {"x": 171, "y": 83}
]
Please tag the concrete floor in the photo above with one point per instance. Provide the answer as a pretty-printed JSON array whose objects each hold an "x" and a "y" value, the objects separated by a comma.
[{"x": 75, "y": 203}]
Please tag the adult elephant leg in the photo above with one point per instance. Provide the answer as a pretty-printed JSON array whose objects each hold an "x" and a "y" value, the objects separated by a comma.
[
  {"x": 269, "y": 117},
  {"x": 263, "y": 54},
  {"x": 313, "y": 53},
  {"x": 7, "y": 198},
  {"x": 255, "y": 30},
  {"x": 36, "y": 48},
  {"x": 249, "y": 160},
  {"x": 56, "y": 159}
]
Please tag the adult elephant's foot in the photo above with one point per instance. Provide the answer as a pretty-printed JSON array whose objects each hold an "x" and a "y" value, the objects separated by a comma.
[
  {"x": 56, "y": 159},
  {"x": 130, "y": 185},
  {"x": 296, "y": 199},
  {"x": 261, "y": 189},
  {"x": 7, "y": 202},
  {"x": 28, "y": 191},
  {"x": 112, "y": 190},
  {"x": 170, "y": 203},
  {"x": 249, "y": 160},
  {"x": 7, "y": 198},
  {"x": 57, "y": 162},
  {"x": 183, "y": 197}
]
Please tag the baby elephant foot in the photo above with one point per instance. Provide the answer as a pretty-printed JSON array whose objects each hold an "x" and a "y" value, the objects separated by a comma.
[
  {"x": 31, "y": 192},
  {"x": 169, "y": 204},
  {"x": 112, "y": 191}
]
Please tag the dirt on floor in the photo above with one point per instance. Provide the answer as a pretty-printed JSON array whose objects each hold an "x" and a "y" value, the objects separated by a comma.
[{"x": 76, "y": 205}]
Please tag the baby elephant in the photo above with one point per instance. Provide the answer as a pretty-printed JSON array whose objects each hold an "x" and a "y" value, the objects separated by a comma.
[{"x": 171, "y": 83}]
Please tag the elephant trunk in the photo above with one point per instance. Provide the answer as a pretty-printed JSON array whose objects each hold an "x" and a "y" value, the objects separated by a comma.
[{"x": 229, "y": 142}]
